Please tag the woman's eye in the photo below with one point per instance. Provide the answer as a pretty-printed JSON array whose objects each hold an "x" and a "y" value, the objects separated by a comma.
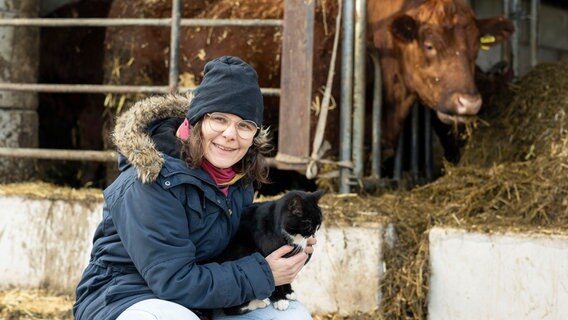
[
  {"x": 219, "y": 119},
  {"x": 246, "y": 127},
  {"x": 428, "y": 47}
]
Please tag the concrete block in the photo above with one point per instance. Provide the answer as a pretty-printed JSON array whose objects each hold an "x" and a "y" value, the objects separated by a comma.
[
  {"x": 46, "y": 243},
  {"x": 497, "y": 276},
  {"x": 344, "y": 273}
]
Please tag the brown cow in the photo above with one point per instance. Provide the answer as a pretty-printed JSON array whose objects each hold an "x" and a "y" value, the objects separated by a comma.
[{"x": 427, "y": 51}]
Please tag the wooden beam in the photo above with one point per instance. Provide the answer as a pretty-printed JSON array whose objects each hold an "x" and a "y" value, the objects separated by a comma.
[{"x": 296, "y": 83}]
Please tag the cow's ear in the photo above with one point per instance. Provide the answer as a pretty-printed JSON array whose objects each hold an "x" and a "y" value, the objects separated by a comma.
[
  {"x": 405, "y": 28},
  {"x": 498, "y": 29}
]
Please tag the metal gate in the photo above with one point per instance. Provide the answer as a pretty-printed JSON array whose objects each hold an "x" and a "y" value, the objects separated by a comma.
[{"x": 297, "y": 40}]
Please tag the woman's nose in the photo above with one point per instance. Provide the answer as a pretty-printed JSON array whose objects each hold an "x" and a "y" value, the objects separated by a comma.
[{"x": 230, "y": 132}]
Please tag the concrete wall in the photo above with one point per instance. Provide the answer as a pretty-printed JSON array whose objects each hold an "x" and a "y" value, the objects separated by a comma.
[
  {"x": 499, "y": 276},
  {"x": 46, "y": 243}
]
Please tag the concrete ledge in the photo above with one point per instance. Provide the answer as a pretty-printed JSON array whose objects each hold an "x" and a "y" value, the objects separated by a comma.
[
  {"x": 497, "y": 276},
  {"x": 344, "y": 273},
  {"x": 46, "y": 243}
]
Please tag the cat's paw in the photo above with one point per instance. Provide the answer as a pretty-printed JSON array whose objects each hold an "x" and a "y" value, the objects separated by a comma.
[
  {"x": 248, "y": 307},
  {"x": 281, "y": 304},
  {"x": 258, "y": 304},
  {"x": 292, "y": 296}
]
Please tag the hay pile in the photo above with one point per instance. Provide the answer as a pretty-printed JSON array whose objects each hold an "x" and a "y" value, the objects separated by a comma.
[
  {"x": 34, "y": 304},
  {"x": 528, "y": 121},
  {"x": 48, "y": 191}
]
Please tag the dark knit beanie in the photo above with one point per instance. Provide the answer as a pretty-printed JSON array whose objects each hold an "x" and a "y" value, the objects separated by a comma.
[{"x": 229, "y": 85}]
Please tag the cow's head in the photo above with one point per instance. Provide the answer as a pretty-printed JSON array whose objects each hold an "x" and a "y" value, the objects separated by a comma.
[{"x": 438, "y": 42}]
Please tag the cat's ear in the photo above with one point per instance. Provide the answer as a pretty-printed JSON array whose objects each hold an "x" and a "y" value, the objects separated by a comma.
[{"x": 318, "y": 194}]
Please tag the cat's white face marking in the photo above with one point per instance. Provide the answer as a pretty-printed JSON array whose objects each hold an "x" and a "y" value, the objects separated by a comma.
[{"x": 300, "y": 241}]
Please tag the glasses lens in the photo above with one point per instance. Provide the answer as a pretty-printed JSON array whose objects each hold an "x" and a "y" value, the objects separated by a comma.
[
  {"x": 218, "y": 122},
  {"x": 246, "y": 129}
]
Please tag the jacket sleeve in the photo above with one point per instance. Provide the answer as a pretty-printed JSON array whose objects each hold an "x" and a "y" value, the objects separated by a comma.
[{"x": 153, "y": 226}]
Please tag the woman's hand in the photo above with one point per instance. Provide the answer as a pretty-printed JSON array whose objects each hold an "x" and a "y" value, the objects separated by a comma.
[
  {"x": 309, "y": 249},
  {"x": 285, "y": 270}
]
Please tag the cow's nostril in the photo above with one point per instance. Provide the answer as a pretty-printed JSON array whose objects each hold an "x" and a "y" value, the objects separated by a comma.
[{"x": 469, "y": 105}]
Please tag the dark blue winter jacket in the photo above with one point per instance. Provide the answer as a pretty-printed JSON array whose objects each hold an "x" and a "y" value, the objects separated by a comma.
[{"x": 160, "y": 225}]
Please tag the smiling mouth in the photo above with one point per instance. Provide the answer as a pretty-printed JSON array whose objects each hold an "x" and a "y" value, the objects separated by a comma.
[
  {"x": 451, "y": 119},
  {"x": 223, "y": 148}
]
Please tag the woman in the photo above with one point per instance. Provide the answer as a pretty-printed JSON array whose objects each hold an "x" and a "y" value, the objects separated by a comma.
[{"x": 177, "y": 203}]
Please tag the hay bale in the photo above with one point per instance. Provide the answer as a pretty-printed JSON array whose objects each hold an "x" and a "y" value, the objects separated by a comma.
[
  {"x": 523, "y": 122},
  {"x": 48, "y": 191},
  {"x": 34, "y": 304}
]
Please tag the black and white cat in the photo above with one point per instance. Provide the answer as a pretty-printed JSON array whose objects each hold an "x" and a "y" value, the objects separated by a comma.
[{"x": 267, "y": 226}]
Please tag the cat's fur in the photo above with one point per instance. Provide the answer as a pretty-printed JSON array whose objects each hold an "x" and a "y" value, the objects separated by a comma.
[{"x": 267, "y": 226}]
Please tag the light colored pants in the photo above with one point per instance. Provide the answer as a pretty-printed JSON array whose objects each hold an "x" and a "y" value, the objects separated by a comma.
[{"x": 156, "y": 309}]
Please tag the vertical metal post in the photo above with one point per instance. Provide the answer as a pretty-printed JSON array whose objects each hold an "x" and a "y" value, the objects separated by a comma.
[
  {"x": 516, "y": 12},
  {"x": 505, "y": 46},
  {"x": 377, "y": 116},
  {"x": 535, "y": 5},
  {"x": 359, "y": 87},
  {"x": 414, "y": 142},
  {"x": 174, "y": 46},
  {"x": 346, "y": 93},
  {"x": 428, "y": 167},
  {"x": 397, "y": 170}
]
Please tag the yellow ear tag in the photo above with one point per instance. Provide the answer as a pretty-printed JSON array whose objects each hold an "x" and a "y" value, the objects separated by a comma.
[{"x": 485, "y": 40}]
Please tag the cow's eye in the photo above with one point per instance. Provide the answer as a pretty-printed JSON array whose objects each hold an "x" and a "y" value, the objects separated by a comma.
[{"x": 429, "y": 47}]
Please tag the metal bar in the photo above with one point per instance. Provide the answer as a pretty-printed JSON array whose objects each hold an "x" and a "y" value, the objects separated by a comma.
[
  {"x": 74, "y": 155},
  {"x": 428, "y": 164},
  {"x": 346, "y": 94},
  {"x": 376, "y": 160},
  {"x": 59, "y": 154},
  {"x": 505, "y": 46},
  {"x": 535, "y": 4},
  {"x": 515, "y": 50},
  {"x": 165, "y": 22},
  {"x": 359, "y": 87},
  {"x": 174, "y": 46},
  {"x": 414, "y": 142},
  {"x": 397, "y": 169},
  {"x": 97, "y": 88},
  {"x": 86, "y": 88}
]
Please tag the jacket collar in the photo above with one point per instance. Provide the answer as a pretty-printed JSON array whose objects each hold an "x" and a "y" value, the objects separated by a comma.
[{"x": 132, "y": 140}]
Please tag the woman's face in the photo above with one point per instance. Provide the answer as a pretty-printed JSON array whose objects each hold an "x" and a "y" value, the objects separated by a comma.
[{"x": 225, "y": 148}]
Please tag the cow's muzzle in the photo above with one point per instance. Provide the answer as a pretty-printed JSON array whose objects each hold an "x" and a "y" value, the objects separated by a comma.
[{"x": 462, "y": 109}]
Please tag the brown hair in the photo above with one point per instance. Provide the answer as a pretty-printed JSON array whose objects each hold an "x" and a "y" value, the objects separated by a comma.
[{"x": 253, "y": 164}]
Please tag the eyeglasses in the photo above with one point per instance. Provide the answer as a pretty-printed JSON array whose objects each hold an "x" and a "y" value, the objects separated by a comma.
[{"x": 218, "y": 122}]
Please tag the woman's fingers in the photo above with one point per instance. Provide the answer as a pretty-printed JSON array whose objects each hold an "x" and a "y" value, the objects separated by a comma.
[{"x": 284, "y": 270}]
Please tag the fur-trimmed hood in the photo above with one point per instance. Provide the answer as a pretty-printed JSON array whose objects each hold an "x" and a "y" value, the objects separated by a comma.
[{"x": 132, "y": 139}]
